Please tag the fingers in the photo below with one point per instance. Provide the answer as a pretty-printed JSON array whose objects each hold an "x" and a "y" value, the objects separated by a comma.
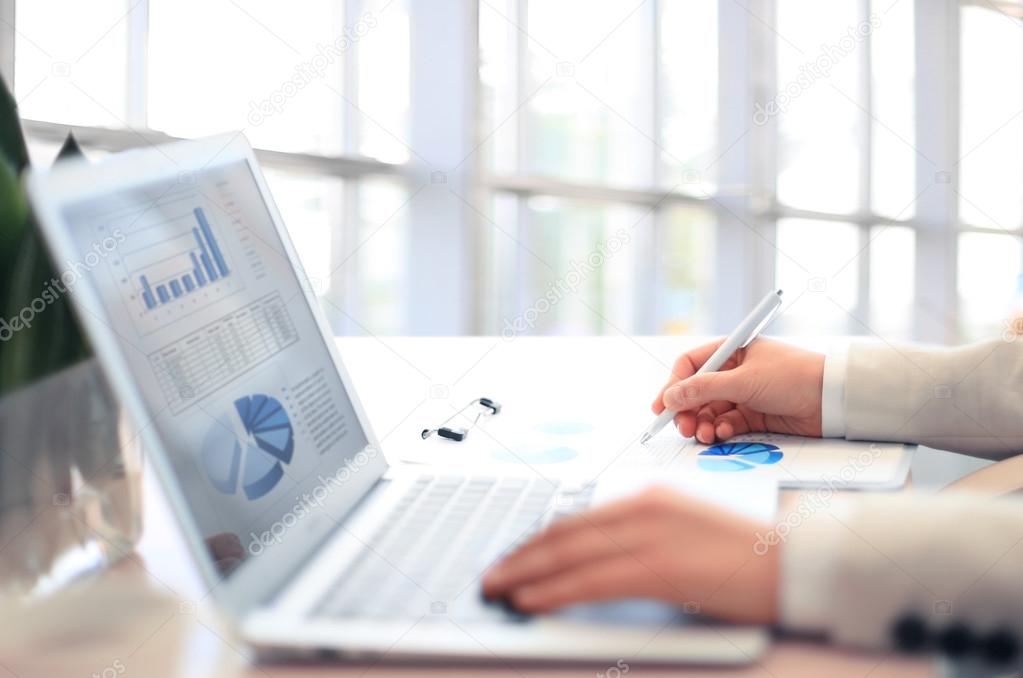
[
  {"x": 226, "y": 545},
  {"x": 701, "y": 389},
  {"x": 685, "y": 422},
  {"x": 227, "y": 551},
  {"x": 597, "y": 531},
  {"x": 706, "y": 417},
  {"x": 622, "y": 576},
  {"x": 685, "y": 366},
  {"x": 704, "y": 429},
  {"x": 544, "y": 560},
  {"x": 731, "y": 423},
  {"x": 600, "y": 517},
  {"x": 701, "y": 424}
]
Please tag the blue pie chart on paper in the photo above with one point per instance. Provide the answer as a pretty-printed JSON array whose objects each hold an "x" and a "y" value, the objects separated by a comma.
[
  {"x": 247, "y": 449},
  {"x": 735, "y": 457}
]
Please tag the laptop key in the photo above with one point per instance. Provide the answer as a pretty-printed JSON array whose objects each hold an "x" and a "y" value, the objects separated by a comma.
[{"x": 429, "y": 554}]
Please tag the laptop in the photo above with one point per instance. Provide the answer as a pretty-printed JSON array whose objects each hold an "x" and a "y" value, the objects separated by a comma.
[{"x": 190, "y": 290}]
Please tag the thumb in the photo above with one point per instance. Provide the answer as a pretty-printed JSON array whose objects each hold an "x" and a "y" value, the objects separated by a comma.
[{"x": 700, "y": 389}]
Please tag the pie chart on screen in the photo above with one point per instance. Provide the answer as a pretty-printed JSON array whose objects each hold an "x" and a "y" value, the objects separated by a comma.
[
  {"x": 247, "y": 448},
  {"x": 738, "y": 457}
]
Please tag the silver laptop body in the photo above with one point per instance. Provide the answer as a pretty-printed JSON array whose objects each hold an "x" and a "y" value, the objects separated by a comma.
[{"x": 185, "y": 279}]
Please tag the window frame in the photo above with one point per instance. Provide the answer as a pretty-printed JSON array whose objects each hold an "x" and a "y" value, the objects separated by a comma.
[
  {"x": 7, "y": 34},
  {"x": 347, "y": 165},
  {"x": 747, "y": 224},
  {"x": 746, "y": 219}
]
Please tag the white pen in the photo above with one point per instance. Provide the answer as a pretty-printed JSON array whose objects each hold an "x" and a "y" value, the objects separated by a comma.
[{"x": 741, "y": 337}]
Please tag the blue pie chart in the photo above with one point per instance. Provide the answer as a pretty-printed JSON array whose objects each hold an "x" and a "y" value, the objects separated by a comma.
[
  {"x": 247, "y": 449},
  {"x": 737, "y": 457}
]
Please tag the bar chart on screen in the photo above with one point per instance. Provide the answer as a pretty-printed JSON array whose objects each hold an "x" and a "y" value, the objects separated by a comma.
[
  {"x": 203, "y": 260},
  {"x": 177, "y": 257}
]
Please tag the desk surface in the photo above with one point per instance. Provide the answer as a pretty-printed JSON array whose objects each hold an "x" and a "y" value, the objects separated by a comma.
[{"x": 405, "y": 384}]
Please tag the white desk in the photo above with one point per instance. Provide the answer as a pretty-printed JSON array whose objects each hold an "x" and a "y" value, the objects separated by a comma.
[{"x": 410, "y": 383}]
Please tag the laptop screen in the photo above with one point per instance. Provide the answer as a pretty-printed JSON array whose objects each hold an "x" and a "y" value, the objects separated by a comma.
[{"x": 226, "y": 352}]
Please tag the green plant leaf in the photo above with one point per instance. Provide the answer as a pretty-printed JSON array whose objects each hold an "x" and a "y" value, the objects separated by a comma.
[
  {"x": 13, "y": 150},
  {"x": 39, "y": 334},
  {"x": 13, "y": 215}
]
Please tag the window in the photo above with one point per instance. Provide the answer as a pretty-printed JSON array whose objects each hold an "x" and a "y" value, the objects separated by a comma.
[
  {"x": 826, "y": 185},
  {"x": 72, "y": 71},
  {"x": 817, "y": 267},
  {"x": 990, "y": 191},
  {"x": 846, "y": 159},
  {"x": 323, "y": 93},
  {"x": 601, "y": 139},
  {"x": 892, "y": 276},
  {"x": 820, "y": 160},
  {"x": 625, "y": 173},
  {"x": 989, "y": 280},
  {"x": 625, "y": 107}
]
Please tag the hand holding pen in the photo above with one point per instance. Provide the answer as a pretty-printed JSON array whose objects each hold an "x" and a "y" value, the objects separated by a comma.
[{"x": 737, "y": 385}]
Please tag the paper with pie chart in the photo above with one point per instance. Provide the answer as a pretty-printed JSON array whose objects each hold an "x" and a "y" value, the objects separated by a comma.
[
  {"x": 738, "y": 457},
  {"x": 247, "y": 448},
  {"x": 577, "y": 447},
  {"x": 792, "y": 461},
  {"x": 798, "y": 462}
]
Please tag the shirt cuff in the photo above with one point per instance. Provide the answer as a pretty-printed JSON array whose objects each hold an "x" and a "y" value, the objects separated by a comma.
[{"x": 833, "y": 398}]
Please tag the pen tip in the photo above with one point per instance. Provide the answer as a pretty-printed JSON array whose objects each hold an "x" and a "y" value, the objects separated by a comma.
[
  {"x": 644, "y": 438},
  {"x": 779, "y": 292}
]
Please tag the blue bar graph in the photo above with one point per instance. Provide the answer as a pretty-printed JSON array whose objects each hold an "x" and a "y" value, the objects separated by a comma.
[
  {"x": 147, "y": 294},
  {"x": 204, "y": 256},
  {"x": 208, "y": 265},
  {"x": 218, "y": 257},
  {"x": 200, "y": 277}
]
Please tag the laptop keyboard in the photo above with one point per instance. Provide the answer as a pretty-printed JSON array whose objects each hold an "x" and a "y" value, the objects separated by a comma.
[{"x": 427, "y": 557}]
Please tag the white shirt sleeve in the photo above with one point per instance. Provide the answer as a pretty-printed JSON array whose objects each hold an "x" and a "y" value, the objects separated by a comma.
[{"x": 833, "y": 397}]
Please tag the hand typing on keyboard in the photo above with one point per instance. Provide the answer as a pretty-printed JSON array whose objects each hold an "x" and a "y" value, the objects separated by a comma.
[
  {"x": 438, "y": 539},
  {"x": 659, "y": 545}
]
